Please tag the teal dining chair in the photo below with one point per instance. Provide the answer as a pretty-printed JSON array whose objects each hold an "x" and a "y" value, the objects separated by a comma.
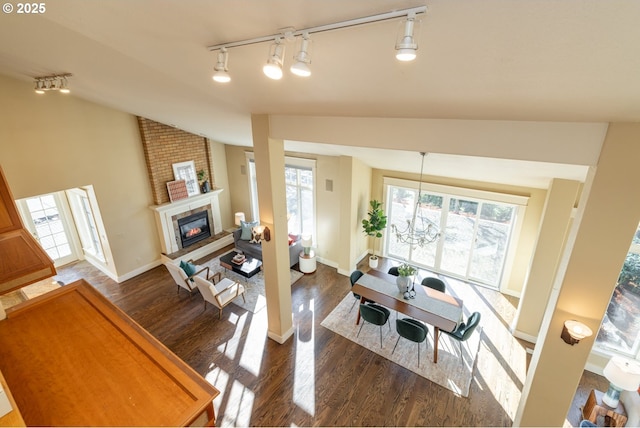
[
  {"x": 412, "y": 330},
  {"x": 464, "y": 330},
  {"x": 435, "y": 283},
  {"x": 374, "y": 314}
]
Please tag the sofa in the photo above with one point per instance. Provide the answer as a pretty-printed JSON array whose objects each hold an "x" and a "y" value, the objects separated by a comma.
[{"x": 255, "y": 250}]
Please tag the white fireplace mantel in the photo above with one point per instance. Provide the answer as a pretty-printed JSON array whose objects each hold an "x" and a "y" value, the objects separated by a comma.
[{"x": 164, "y": 217}]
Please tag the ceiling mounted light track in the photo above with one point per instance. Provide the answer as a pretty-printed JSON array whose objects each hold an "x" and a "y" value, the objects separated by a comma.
[
  {"x": 54, "y": 82},
  {"x": 406, "y": 46}
]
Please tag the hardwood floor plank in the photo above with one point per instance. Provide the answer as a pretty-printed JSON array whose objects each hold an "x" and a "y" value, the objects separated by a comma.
[{"x": 319, "y": 378}]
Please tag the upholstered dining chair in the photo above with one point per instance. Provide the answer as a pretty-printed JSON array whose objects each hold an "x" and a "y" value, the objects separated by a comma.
[
  {"x": 183, "y": 280},
  {"x": 393, "y": 271},
  {"x": 354, "y": 277},
  {"x": 219, "y": 291},
  {"x": 413, "y": 330},
  {"x": 374, "y": 314},
  {"x": 464, "y": 330},
  {"x": 435, "y": 283}
]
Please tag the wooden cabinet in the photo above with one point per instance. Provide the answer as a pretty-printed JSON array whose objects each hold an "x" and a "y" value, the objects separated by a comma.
[
  {"x": 72, "y": 358},
  {"x": 22, "y": 260}
]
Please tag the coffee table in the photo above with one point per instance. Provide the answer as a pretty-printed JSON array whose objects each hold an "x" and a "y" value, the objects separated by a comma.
[{"x": 248, "y": 268}]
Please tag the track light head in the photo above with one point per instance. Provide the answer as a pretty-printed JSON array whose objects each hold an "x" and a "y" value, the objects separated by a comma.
[
  {"x": 56, "y": 82},
  {"x": 302, "y": 59},
  {"x": 221, "y": 74},
  {"x": 406, "y": 47},
  {"x": 273, "y": 68}
]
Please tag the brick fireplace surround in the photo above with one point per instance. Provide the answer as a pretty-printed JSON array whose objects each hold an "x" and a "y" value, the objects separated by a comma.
[{"x": 163, "y": 146}]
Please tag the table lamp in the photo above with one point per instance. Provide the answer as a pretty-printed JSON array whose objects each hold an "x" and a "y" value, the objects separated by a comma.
[
  {"x": 623, "y": 375},
  {"x": 239, "y": 216},
  {"x": 306, "y": 242}
]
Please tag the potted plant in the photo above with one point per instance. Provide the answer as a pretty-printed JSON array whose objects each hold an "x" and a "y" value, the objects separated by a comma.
[
  {"x": 373, "y": 226},
  {"x": 203, "y": 180},
  {"x": 405, "y": 271}
]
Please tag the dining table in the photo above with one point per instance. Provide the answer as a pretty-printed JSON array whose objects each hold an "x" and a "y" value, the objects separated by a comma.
[{"x": 441, "y": 310}]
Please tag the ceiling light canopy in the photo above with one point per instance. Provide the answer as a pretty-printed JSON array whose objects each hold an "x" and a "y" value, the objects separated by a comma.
[
  {"x": 221, "y": 74},
  {"x": 273, "y": 68},
  {"x": 406, "y": 46},
  {"x": 55, "y": 82}
]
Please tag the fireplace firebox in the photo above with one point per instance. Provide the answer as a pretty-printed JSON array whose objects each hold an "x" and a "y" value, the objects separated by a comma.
[{"x": 194, "y": 228}]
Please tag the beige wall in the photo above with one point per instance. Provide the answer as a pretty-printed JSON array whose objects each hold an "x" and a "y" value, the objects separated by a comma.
[{"x": 54, "y": 142}]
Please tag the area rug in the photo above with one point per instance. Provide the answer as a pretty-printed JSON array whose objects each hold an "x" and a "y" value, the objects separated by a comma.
[
  {"x": 254, "y": 286},
  {"x": 451, "y": 371}
]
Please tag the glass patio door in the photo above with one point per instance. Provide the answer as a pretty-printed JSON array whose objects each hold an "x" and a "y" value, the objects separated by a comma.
[
  {"x": 459, "y": 236},
  {"x": 44, "y": 218}
]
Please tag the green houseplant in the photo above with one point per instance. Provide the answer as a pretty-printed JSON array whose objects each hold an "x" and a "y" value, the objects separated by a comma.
[
  {"x": 373, "y": 226},
  {"x": 405, "y": 271},
  {"x": 203, "y": 180}
]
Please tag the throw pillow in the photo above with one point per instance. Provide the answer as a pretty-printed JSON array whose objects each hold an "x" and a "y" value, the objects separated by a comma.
[
  {"x": 188, "y": 268},
  {"x": 247, "y": 227},
  {"x": 256, "y": 235}
]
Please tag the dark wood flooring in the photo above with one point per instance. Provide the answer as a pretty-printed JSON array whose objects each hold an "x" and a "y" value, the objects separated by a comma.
[{"x": 318, "y": 378}]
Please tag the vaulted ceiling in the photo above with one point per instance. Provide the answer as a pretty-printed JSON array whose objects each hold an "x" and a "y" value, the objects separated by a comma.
[{"x": 535, "y": 60}]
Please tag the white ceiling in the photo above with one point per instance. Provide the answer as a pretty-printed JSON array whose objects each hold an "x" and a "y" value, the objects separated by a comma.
[{"x": 534, "y": 60}]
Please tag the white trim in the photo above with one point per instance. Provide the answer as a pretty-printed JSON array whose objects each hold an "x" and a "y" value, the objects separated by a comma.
[
  {"x": 524, "y": 336},
  {"x": 283, "y": 338},
  {"x": 442, "y": 189},
  {"x": 138, "y": 271}
]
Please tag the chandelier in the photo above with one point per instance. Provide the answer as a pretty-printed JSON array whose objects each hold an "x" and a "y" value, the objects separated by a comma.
[{"x": 419, "y": 231}]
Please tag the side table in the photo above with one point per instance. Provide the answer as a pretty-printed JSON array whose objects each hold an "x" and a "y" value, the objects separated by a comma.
[
  {"x": 307, "y": 262},
  {"x": 594, "y": 407}
]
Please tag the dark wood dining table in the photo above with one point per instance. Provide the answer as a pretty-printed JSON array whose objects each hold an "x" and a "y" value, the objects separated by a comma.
[{"x": 433, "y": 307}]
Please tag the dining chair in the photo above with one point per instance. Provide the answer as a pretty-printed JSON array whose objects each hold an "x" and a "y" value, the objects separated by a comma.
[
  {"x": 374, "y": 314},
  {"x": 393, "y": 271},
  {"x": 464, "y": 330},
  {"x": 435, "y": 283},
  {"x": 413, "y": 330},
  {"x": 355, "y": 276}
]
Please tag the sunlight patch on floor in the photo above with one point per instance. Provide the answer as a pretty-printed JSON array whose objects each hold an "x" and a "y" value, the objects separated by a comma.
[
  {"x": 239, "y": 406},
  {"x": 251, "y": 358},
  {"x": 230, "y": 347},
  {"x": 304, "y": 373}
]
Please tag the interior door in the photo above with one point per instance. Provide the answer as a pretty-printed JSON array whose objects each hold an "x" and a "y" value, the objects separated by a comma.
[{"x": 44, "y": 218}]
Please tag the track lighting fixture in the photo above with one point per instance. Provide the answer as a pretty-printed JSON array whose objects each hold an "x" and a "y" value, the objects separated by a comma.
[
  {"x": 273, "y": 68},
  {"x": 56, "y": 82},
  {"x": 406, "y": 47},
  {"x": 302, "y": 59},
  {"x": 221, "y": 71}
]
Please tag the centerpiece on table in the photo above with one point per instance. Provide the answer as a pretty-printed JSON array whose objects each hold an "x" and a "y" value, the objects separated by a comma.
[{"x": 405, "y": 277}]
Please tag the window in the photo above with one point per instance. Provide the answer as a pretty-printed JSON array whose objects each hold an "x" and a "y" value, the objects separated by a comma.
[
  {"x": 475, "y": 231},
  {"x": 86, "y": 226},
  {"x": 620, "y": 329},
  {"x": 300, "y": 193}
]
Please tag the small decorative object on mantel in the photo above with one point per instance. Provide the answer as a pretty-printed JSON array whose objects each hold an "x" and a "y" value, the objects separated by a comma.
[
  {"x": 405, "y": 277},
  {"x": 177, "y": 190},
  {"x": 203, "y": 179}
]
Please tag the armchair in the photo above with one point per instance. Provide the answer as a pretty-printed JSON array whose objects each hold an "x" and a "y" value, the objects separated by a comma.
[
  {"x": 182, "y": 279},
  {"x": 219, "y": 292}
]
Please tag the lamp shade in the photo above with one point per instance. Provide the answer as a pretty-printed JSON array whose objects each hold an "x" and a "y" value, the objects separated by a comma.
[
  {"x": 623, "y": 373},
  {"x": 306, "y": 241},
  {"x": 239, "y": 217}
]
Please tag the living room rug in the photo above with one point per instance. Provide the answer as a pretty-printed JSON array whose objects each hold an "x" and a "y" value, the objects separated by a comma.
[
  {"x": 450, "y": 372},
  {"x": 254, "y": 286}
]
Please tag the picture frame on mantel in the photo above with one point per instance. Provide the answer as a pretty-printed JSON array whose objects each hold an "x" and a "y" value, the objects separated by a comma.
[
  {"x": 177, "y": 190},
  {"x": 187, "y": 171}
]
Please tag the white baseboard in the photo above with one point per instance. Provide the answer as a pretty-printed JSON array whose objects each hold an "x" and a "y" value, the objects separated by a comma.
[
  {"x": 138, "y": 271},
  {"x": 524, "y": 336},
  {"x": 281, "y": 339}
]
